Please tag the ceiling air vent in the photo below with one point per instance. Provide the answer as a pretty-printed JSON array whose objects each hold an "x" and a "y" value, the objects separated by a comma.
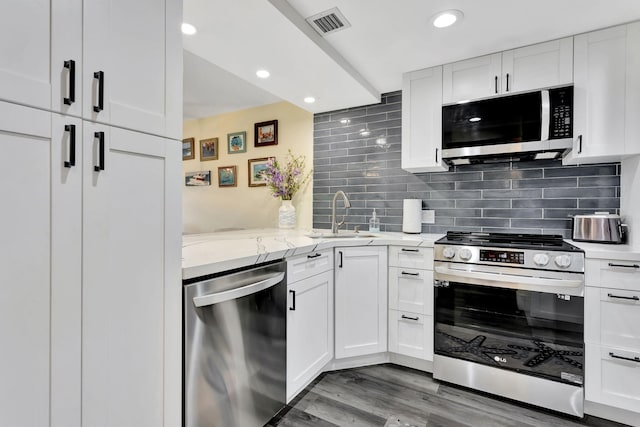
[{"x": 329, "y": 21}]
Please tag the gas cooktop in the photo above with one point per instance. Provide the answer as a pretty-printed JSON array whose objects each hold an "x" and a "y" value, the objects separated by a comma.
[{"x": 552, "y": 242}]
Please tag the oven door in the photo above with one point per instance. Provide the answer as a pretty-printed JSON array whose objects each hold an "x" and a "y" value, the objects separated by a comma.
[{"x": 529, "y": 332}]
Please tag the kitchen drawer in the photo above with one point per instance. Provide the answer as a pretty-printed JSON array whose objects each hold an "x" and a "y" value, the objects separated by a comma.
[
  {"x": 411, "y": 334},
  {"x": 411, "y": 257},
  {"x": 607, "y": 273},
  {"x": 411, "y": 290},
  {"x": 611, "y": 380},
  {"x": 612, "y": 317},
  {"x": 303, "y": 266}
]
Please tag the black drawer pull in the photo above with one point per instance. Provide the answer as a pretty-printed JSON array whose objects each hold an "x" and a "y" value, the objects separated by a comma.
[
  {"x": 313, "y": 256},
  {"x": 631, "y": 359},
  {"x": 409, "y": 250},
  {"x": 293, "y": 305},
  {"x": 71, "y": 66},
  {"x": 496, "y": 80},
  {"x": 72, "y": 145},
  {"x": 623, "y": 265},
  {"x": 99, "y": 75},
  {"x": 406, "y": 273},
  {"x": 410, "y": 318},
  {"x": 507, "y": 82},
  {"x": 634, "y": 298},
  {"x": 100, "y": 166},
  {"x": 340, "y": 263},
  {"x": 579, "y": 144}
]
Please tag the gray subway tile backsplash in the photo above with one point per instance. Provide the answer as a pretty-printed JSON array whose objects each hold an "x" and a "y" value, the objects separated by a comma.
[{"x": 509, "y": 197}]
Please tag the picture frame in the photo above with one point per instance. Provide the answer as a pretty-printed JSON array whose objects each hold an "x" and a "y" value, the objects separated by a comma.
[
  {"x": 188, "y": 148},
  {"x": 208, "y": 149},
  {"x": 197, "y": 179},
  {"x": 227, "y": 176},
  {"x": 256, "y": 166},
  {"x": 237, "y": 142},
  {"x": 265, "y": 133}
]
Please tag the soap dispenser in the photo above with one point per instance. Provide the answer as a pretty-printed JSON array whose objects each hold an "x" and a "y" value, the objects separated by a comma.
[{"x": 374, "y": 222}]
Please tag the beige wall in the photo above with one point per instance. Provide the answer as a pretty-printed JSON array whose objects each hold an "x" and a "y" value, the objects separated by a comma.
[{"x": 211, "y": 208}]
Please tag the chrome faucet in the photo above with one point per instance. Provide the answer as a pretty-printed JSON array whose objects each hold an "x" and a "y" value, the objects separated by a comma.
[{"x": 347, "y": 204}]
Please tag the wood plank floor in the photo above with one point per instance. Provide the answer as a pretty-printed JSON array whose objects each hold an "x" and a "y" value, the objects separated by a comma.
[{"x": 392, "y": 395}]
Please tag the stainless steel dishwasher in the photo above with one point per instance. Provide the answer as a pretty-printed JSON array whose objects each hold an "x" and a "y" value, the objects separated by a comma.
[{"x": 235, "y": 348}]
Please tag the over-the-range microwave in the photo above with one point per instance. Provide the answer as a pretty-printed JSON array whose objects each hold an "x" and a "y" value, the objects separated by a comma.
[{"x": 512, "y": 125}]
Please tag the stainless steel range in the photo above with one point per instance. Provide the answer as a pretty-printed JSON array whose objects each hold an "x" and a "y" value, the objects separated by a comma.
[{"x": 509, "y": 317}]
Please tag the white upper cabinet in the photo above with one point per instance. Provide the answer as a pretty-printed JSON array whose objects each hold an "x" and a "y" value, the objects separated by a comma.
[
  {"x": 422, "y": 121},
  {"x": 606, "y": 101},
  {"x": 527, "y": 68},
  {"x": 132, "y": 67},
  {"x": 66, "y": 57}
]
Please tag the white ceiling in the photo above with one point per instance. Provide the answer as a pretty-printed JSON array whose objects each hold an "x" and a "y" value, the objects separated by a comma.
[{"x": 352, "y": 67}]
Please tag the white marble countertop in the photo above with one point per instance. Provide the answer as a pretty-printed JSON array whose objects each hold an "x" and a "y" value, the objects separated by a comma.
[
  {"x": 211, "y": 253},
  {"x": 608, "y": 251}
]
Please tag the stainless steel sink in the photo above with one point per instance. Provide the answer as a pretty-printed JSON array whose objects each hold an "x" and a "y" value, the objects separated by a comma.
[{"x": 341, "y": 235}]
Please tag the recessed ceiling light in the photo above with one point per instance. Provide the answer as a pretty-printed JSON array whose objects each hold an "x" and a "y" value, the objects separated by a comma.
[
  {"x": 309, "y": 100},
  {"x": 263, "y": 74},
  {"x": 188, "y": 29},
  {"x": 475, "y": 119},
  {"x": 446, "y": 18}
]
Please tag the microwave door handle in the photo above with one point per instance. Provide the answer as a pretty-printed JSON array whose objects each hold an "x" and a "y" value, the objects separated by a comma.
[{"x": 546, "y": 116}]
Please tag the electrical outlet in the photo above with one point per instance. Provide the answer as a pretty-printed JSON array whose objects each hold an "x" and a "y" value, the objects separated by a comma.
[{"x": 428, "y": 216}]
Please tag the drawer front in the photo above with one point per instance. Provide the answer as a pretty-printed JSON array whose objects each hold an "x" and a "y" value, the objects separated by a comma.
[
  {"x": 613, "y": 316},
  {"x": 411, "y": 334},
  {"x": 612, "y": 379},
  {"x": 411, "y": 290},
  {"x": 613, "y": 274},
  {"x": 411, "y": 257},
  {"x": 303, "y": 266}
]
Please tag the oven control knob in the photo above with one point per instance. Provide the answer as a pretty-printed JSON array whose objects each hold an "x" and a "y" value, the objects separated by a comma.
[
  {"x": 448, "y": 252},
  {"x": 563, "y": 261},
  {"x": 541, "y": 259},
  {"x": 465, "y": 254}
]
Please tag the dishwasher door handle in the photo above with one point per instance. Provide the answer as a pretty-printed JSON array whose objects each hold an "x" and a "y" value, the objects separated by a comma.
[{"x": 218, "y": 297}]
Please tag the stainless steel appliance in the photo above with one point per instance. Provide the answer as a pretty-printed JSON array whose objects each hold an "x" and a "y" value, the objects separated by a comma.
[
  {"x": 509, "y": 317},
  {"x": 600, "y": 227},
  {"x": 510, "y": 125},
  {"x": 235, "y": 348}
]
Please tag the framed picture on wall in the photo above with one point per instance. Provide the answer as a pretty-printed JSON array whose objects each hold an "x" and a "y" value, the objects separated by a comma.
[
  {"x": 227, "y": 176},
  {"x": 197, "y": 179},
  {"x": 256, "y": 172},
  {"x": 266, "y": 133},
  {"x": 188, "y": 149},
  {"x": 209, "y": 149},
  {"x": 237, "y": 142}
]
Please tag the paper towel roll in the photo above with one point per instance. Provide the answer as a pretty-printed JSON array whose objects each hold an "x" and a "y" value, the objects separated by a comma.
[{"x": 412, "y": 216}]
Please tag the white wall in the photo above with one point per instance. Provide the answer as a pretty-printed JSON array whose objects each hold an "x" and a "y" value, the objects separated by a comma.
[
  {"x": 630, "y": 198},
  {"x": 211, "y": 208}
]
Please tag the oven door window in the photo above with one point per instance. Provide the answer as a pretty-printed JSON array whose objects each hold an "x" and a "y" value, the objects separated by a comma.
[{"x": 533, "y": 333}]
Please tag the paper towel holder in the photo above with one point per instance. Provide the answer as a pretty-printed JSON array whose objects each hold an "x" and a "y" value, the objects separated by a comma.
[{"x": 412, "y": 216}]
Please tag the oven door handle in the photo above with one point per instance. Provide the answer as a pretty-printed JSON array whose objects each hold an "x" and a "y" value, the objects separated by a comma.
[
  {"x": 218, "y": 297},
  {"x": 506, "y": 279}
]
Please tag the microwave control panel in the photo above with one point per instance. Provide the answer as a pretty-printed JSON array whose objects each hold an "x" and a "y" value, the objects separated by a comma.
[{"x": 561, "y": 125}]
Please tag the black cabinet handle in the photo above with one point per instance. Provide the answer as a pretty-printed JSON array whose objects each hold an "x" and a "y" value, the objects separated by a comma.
[
  {"x": 409, "y": 250},
  {"x": 496, "y": 83},
  {"x": 71, "y": 66},
  {"x": 633, "y": 298},
  {"x": 406, "y": 273},
  {"x": 632, "y": 359},
  {"x": 313, "y": 256},
  {"x": 100, "y": 166},
  {"x": 340, "y": 262},
  {"x": 72, "y": 145},
  {"x": 410, "y": 318},
  {"x": 579, "y": 144},
  {"x": 507, "y": 82},
  {"x": 99, "y": 75},
  {"x": 624, "y": 265},
  {"x": 293, "y": 301},
  {"x": 436, "y": 155}
]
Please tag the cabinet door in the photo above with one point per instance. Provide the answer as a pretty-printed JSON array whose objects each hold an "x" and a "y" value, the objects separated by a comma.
[
  {"x": 309, "y": 330},
  {"x": 422, "y": 121},
  {"x": 136, "y": 46},
  {"x": 131, "y": 296},
  {"x": 613, "y": 317},
  {"x": 606, "y": 72},
  {"x": 24, "y": 52},
  {"x": 66, "y": 57},
  {"x": 411, "y": 290},
  {"x": 25, "y": 265},
  {"x": 537, "y": 66},
  {"x": 472, "y": 79},
  {"x": 411, "y": 334},
  {"x": 361, "y": 300}
]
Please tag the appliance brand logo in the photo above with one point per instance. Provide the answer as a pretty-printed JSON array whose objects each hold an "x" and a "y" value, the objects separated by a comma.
[{"x": 500, "y": 359}]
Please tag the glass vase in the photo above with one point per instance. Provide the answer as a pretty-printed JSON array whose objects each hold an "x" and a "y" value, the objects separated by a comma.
[{"x": 287, "y": 215}]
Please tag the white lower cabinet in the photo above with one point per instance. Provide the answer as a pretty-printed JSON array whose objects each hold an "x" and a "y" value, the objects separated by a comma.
[
  {"x": 360, "y": 300},
  {"x": 411, "y": 334}
]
